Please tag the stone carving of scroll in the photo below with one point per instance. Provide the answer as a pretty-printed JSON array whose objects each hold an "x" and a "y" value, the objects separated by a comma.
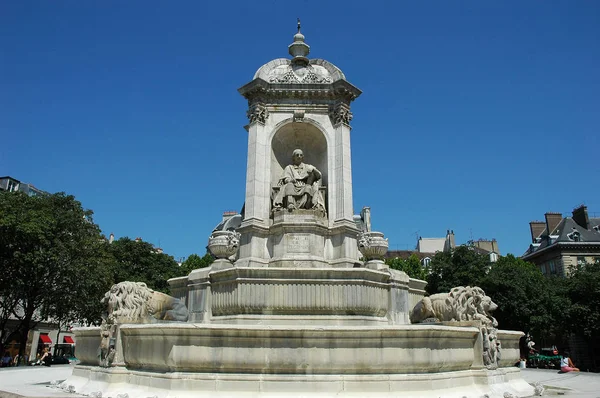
[
  {"x": 108, "y": 331},
  {"x": 463, "y": 304}
]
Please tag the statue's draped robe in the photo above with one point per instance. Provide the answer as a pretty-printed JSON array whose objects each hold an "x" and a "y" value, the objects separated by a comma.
[{"x": 305, "y": 190}]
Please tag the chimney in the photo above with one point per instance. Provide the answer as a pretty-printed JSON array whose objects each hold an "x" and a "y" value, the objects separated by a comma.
[
  {"x": 536, "y": 227},
  {"x": 552, "y": 221},
  {"x": 580, "y": 216},
  {"x": 495, "y": 246},
  {"x": 449, "y": 244},
  {"x": 365, "y": 214}
]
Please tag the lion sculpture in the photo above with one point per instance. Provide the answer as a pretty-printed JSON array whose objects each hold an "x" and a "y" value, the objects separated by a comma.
[
  {"x": 463, "y": 304},
  {"x": 135, "y": 302}
]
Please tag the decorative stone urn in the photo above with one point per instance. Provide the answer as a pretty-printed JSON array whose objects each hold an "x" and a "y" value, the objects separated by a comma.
[
  {"x": 373, "y": 247},
  {"x": 222, "y": 245}
]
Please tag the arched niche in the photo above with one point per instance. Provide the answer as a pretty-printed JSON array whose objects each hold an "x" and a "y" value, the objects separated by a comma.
[{"x": 303, "y": 136}]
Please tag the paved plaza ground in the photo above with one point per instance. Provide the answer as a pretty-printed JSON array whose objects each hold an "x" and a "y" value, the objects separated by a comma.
[{"x": 30, "y": 381}]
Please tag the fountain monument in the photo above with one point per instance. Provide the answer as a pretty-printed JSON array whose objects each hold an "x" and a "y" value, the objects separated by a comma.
[{"x": 299, "y": 301}]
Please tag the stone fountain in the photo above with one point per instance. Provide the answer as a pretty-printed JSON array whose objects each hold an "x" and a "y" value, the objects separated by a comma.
[{"x": 299, "y": 301}]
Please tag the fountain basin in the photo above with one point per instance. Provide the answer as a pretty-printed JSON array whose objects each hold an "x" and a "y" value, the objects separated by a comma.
[{"x": 195, "y": 359}]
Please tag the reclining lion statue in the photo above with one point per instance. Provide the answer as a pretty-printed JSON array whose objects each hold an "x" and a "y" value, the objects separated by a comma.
[
  {"x": 461, "y": 304},
  {"x": 135, "y": 302}
]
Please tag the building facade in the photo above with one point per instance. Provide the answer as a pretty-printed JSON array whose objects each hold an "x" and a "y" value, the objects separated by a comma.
[
  {"x": 11, "y": 184},
  {"x": 559, "y": 243}
]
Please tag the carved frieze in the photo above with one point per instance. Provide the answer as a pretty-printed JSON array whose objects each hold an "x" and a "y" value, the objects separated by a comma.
[
  {"x": 306, "y": 75},
  {"x": 299, "y": 298}
]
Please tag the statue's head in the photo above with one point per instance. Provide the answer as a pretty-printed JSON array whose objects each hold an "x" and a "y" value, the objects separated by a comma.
[{"x": 297, "y": 156}]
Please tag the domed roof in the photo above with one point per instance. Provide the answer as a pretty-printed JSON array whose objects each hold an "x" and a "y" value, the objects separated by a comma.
[
  {"x": 299, "y": 69},
  {"x": 283, "y": 70}
]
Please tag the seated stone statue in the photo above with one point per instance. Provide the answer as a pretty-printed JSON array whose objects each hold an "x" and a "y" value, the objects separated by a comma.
[{"x": 299, "y": 186}]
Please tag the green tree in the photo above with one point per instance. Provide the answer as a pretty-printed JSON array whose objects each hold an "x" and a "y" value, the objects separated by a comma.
[
  {"x": 527, "y": 300},
  {"x": 412, "y": 266},
  {"x": 462, "y": 266},
  {"x": 139, "y": 261},
  {"x": 53, "y": 260},
  {"x": 194, "y": 261},
  {"x": 583, "y": 317}
]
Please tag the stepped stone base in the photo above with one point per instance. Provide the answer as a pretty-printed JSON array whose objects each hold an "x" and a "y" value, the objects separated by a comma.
[{"x": 459, "y": 384}]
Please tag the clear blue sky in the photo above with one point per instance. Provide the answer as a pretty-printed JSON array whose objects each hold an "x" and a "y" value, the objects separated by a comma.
[{"x": 476, "y": 116}]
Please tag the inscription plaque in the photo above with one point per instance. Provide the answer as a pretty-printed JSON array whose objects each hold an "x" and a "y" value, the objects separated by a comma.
[{"x": 298, "y": 243}]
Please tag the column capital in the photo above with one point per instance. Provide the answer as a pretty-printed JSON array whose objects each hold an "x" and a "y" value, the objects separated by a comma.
[
  {"x": 257, "y": 112},
  {"x": 340, "y": 114}
]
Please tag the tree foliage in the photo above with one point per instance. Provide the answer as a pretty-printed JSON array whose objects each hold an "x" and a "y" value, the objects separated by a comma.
[
  {"x": 412, "y": 266},
  {"x": 194, "y": 261},
  {"x": 548, "y": 307},
  {"x": 54, "y": 260},
  {"x": 527, "y": 300},
  {"x": 583, "y": 313},
  {"x": 139, "y": 261},
  {"x": 460, "y": 267}
]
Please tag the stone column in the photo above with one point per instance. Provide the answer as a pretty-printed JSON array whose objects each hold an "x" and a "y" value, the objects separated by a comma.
[
  {"x": 257, "y": 182},
  {"x": 254, "y": 228},
  {"x": 343, "y": 167}
]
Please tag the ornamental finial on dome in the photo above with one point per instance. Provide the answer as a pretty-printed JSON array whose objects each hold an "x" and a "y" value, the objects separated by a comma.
[{"x": 299, "y": 49}]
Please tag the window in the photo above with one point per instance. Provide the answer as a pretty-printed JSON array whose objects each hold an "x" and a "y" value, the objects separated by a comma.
[
  {"x": 12, "y": 186},
  {"x": 552, "y": 266},
  {"x": 493, "y": 257},
  {"x": 426, "y": 261},
  {"x": 580, "y": 260},
  {"x": 575, "y": 236}
]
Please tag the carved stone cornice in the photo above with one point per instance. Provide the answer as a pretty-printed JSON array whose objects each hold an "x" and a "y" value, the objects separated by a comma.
[{"x": 339, "y": 90}]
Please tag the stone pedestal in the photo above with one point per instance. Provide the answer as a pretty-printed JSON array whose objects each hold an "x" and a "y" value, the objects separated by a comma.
[{"x": 297, "y": 239}]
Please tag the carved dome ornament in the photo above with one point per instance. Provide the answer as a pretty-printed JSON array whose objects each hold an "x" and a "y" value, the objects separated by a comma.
[{"x": 299, "y": 69}]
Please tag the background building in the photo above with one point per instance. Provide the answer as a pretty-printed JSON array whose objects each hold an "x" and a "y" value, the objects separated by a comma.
[
  {"x": 560, "y": 243},
  {"x": 427, "y": 248},
  {"x": 11, "y": 184}
]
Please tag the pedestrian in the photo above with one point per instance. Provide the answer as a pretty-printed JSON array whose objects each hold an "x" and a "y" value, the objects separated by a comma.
[
  {"x": 566, "y": 365},
  {"x": 46, "y": 358}
]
